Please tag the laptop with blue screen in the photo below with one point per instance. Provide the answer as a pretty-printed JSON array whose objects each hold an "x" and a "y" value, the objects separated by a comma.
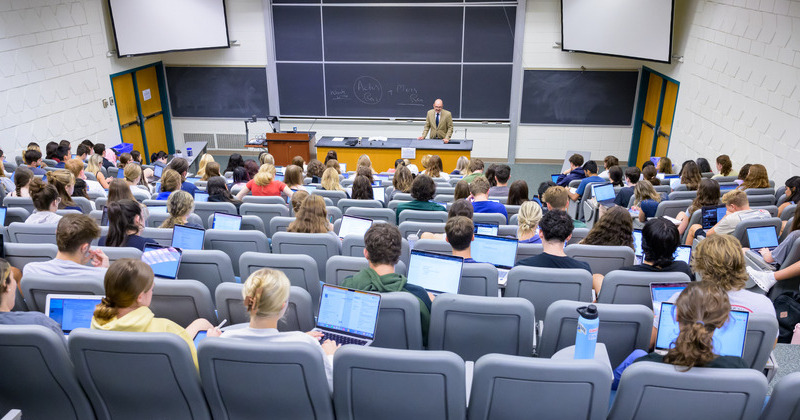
[
  {"x": 662, "y": 292},
  {"x": 498, "y": 251},
  {"x": 762, "y": 237},
  {"x": 71, "y": 311},
  {"x": 711, "y": 215},
  {"x": 164, "y": 260},
  {"x": 200, "y": 197},
  {"x": 436, "y": 273},
  {"x": 157, "y": 171},
  {"x": 348, "y": 316},
  {"x": 225, "y": 221},
  {"x": 727, "y": 341},
  {"x": 487, "y": 229},
  {"x": 187, "y": 237},
  {"x": 3, "y": 212},
  {"x": 604, "y": 194}
]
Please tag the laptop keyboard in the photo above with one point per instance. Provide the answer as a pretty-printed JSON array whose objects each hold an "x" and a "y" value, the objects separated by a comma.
[{"x": 342, "y": 339}]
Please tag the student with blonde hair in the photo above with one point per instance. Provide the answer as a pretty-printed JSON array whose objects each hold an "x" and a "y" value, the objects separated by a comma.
[
  {"x": 94, "y": 167},
  {"x": 461, "y": 166},
  {"x": 64, "y": 182},
  {"x": 265, "y": 184},
  {"x": 180, "y": 205},
  {"x": 364, "y": 160},
  {"x": 266, "y": 158},
  {"x": 266, "y": 298},
  {"x": 312, "y": 217},
  {"x": 170, "y": 182},
  {"x": 333, "y": 163},
  {"x": 530, "y": 213},
  {"x": 330, "y": 181},
  {"x": 645, "y": 200},
  {"x": 129, "y": 286},
  {"x": 133, "y": 176},
  {"x": 201, "y": 166}
]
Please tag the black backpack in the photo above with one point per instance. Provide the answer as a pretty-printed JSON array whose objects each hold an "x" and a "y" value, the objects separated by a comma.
[{"x": 787, "y": 309}]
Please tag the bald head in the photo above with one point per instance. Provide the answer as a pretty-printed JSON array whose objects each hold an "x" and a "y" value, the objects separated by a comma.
[{"x": 438, "y": 105}]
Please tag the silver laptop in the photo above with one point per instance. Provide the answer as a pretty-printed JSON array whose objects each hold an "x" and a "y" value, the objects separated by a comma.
[
  {"x": 353, "y": 225},
  {"x": 436, "y": 273},
  {"x": 348, "y": 316},
  {"x": 663, "y": 292},
  {"x": 71, "y": 311},
  {"x": 727, "y": 341},
  {"x": 225, "y": 221},
  {"x": 604, "y": 194},
  {"x": 498, "y": 251}
]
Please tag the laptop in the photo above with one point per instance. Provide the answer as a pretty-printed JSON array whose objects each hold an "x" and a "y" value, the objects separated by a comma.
[
  {"x": 604, "y": 194},
  {"x": 279, "y": 176},
  {"x": 379, "y": 193},
  {"x": 727, "y": 341},
  {"x": 486, "y": 229},
  {"x": 187, "y": 237},
  {"x": 638, "y": 253},
  {"x": 762, "y": 237},
  {"x": 495, "y": 250},
  {"x": 200, "y": 197},
  {"x": 3, "y": 212},
  {"x": 436, "y": 273},
  {"x": 157, "y": 171},
  {"x": 554, "y": 177},
  {"x": 157, "y": 209},
  {"x": 711, "y": 215},
  {"x": 193, "y": 179},
  {"x": 71, "y": 311},
  {"x": 225, "y": 221},
  {"x": 310, "y": 188},
  {"x": 663, "y": 292},
  {"x": 342, "y": 167},
  {"x": 353, "y": 225},
  {"x": 348, "y": 316},
  {"x": 683, "y": 253},
  {"x": 157, "y": 187},
  {"x": 725, "y": 188},
  {"x": 164, "y": 260}
]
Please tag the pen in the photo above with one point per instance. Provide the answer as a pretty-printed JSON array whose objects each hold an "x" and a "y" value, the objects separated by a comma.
[{"x": 224, "y": 321}]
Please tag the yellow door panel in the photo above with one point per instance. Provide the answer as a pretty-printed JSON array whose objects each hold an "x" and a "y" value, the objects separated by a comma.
[
  {"x": 155, "y": 134},
  {"x": 645, "y": 145},
  {"x": 662, "y": 144},
  {"x": 132, "y": 134},
  {"x": 668, "y": 109},
  {"x": 149, "y": 95},
  {"x": 125, "y": 98},
  {"x": 653, "y": 99}
]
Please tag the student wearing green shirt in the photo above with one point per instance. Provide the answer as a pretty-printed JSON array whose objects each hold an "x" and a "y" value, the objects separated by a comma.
[
  {"x": 474, "y": 170},
  {"x": 422, "y": 191}
]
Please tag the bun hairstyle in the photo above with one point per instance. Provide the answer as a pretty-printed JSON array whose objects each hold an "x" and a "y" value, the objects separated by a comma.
[
  {"x": 700, "y": 309},
  {"x": 265, "y": 292},
  {"x": 42, "y": 194},
  {"x": 297, "y": 200},
  {"x": 62, "y": 179},
  {"x": 125, "y": 280}
]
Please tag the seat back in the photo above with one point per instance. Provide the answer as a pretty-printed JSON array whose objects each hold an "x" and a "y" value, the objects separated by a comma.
[
  {"x": 229, "y": 303},
  {"x": 407, "y": 228},
  {"x": 788, "y": 212},
  {"x": 154, "y": 220},
  {"x": 354, "y": 246},
  {"x": 182, "y": 301},
  {"x": 760, "y": 339},
  {"x": 633, "y": 287},
  {"x": 623, "y": 328},
  {"x": 210, "y": 267},
  {"x": 496, "y": 218},
  {"x": 423, "y": 384},
  {"x": 23, "y": 202},
  {"x": 543, "y": 286},
  {"x": 759, "y": 191},
  {"x": 16, "y": 214},
  {"x": 115, "y": 253},
  {"x": 438, "y": 246},
  {"x": 760, "y": 200},
  {"x": 84, "y": 204},
  {"x": 300, "y": 269},
  {"x": 773, "y": 210},
  {"x": 472, "y": 326},
  {"x": 280, "y": 223},
  {"x": 162, "y": 236},
  {"x": 346, "y": 203},
  {"x": 513, "y": 387},
  {"x": 299, "y": 315},
  {"x": 334, "y": 196},
  {"x": 156, "y": 367},
  {"x": 671, "y": 208},
  {"x": 38, "y": 367},
  {"x": 423, "y": 216},
  {"x": 478, "y": 279},
  {"x": 264, "y": 199},
  {"x": 577, "y": 235},
  {"x": 28, "y": 233},
  {"x": 528, "y": 250},
  {"x": 235, "y": 243},
  {"x": 36, "y": 288},
  {"x": 339, "y": 267},
  {"x": 741, "y": 228},
  {"x": 662, "y": 391},
  {"x": 235, "y": 371},
  {"x": 784, "y": 403},
  {"x": 601, "y": 258},
  {"x": 381, "y": 214},
  {"x": 265, "y": 211},
  {"x": 319, "y": 246},
  {"x": 19, "y": 255},
  {"x": 683, "y": 195},
  {"x": 398, "y": 322}
]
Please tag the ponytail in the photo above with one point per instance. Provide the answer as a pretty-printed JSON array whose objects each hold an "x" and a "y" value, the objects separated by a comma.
[
  {"x": 124, "y": 281},
  {"x": 105, "y": 310}
]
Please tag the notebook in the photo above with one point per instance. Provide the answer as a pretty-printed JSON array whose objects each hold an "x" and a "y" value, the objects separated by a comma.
[
  {"x": 436, "y": 273},
  {"x": 71, "y": 311},
  {"x": 379, "y": 193},
  {"x": 662, "y": 292},
  {"x": 225, "y": 221},
  {"x": 187, "y": 237},
  {"x": 711, "y": 215},
  {"x": 348, "y": 316},
  {"x": 164, "y": 260},
  {"x": 486, "y": 229},
  {"x": 157, "y": 171},
  {"x": 683, "y": 253},
  {"x": 200, "y": 197},
  {"x": 604, "y": 194},
  {"x": 352, "y": 225},
  {"x": 727, "y": 341},
  {"x": 762, "y": 237},
  {"x": 495, "y": 250}
]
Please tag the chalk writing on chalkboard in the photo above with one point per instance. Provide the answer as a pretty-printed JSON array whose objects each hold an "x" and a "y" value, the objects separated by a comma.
[
  {"x": 407, "y": 95},
  {"x": 368, "y": 90}
]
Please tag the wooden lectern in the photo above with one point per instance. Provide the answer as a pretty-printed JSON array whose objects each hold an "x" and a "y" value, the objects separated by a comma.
[{"x": 284, "y": 146}]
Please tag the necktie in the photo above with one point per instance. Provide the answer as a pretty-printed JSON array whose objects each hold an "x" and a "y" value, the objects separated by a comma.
[{"x": 437, "y": 119}]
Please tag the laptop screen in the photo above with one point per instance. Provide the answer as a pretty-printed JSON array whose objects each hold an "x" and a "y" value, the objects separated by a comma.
[
  {"x": 72, "y": 311},
  {"x": 225, "y": 221},
  {"x": 157, "y": 187},
  {"x": 379, "y": 193},
  {"x": 121, "y": 173},
  {"x": 604, "y": 192},
  {"x": 683, "y": 253},
  {"x": 3, "y": 211},
  {"x": 762, "y": 237},
  {"x": 554, "y": 177},
  {"x": 200, "y": 197},
  {"x": 157, "y": 209},
  {"x": 436, "y": 273},
  {"x": 186, "y": 237},
  {"x": 486, "y": 229},
  {"x": 726, "y": 188},
  {"x": 637, "y": 242},
  {"x": 310, "y": 188},
  {"x": 342, "y": 167},
  {"x": 164, "y": 261},
  {"x": 662, "y": 292},
  {"x": 157, "y": 171},
  {"x": 500, "y": 252},
  {"x": 193, "y": 180},
  {"x": 352, "y": 225},
  {"x": 710, "y": 215},
  {"x": 279, "y": 176},
  {"x": 728, "y": 340},
  {"x": 348, "y": 311}
]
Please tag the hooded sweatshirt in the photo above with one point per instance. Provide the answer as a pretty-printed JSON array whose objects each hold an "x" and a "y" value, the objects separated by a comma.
[
  {"x": 369, "y": 280},
  {"x": 143, "y": 320}
]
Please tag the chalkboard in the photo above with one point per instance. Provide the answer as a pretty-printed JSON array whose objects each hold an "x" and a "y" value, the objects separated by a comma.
[
  {"x": 575, "y": 97},
  {"x": 487, "y": 91},
  {"x": 218, "y": 92},
  {"x": 300, "y": 89}
]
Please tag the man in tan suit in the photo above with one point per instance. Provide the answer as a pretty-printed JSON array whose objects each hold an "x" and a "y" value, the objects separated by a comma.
[{"x": 439, "y": 122}]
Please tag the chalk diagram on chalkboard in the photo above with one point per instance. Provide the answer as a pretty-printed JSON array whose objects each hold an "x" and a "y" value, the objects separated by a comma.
[{"x": 368, "y": 90}]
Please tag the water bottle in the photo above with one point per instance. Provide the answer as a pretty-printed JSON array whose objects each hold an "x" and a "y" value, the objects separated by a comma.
[{"x": 586, "y": 336}]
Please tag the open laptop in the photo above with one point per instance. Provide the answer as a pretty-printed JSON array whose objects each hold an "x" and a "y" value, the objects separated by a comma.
[
  {"x": 683, "y": 253},
  {"x": 711, "y": 215},
  {"x": 200, "y": 197},
  {"x": 495, "y": 250},
  {"x": 379, "y": 193},
  {"x": 353, "y": 225},
  {"x": 157, "y": 171},
  {"x": 164, "y": 260},
  {"x": 604, "y": 194},
  {"x": 727, "y": 187},
  {"x": 487, "y": 229},
  {"x": 554, "y": 177},
  {"x": 3, "y": 212},
  {"x": 436, "y": 273},
  {"x": 225, "y": 221},
  {"x": 343, "y": 168},
  {"x": 348, "y": 316},
  {"x": 158, "y": 209},
  {"x": 279, "y": 176},
  {"x": 663, "y": 292},
  {"x": 193, "y": 180},
  {"x": 157, "y": 187},
  {"x": 71, "y": 311},
  {"x": 762, "y": 237},
  {"x": 187, "y": 237},
  {"x": 727, "y": 341}
]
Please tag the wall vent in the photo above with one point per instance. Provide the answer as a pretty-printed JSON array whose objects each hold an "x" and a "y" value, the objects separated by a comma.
[
  {"x": 231, "y": 141},
  {"x": 206, "y": 137}
]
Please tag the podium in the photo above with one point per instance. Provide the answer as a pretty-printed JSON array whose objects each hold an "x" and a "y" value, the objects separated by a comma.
[{"x": 286, "y": 145}]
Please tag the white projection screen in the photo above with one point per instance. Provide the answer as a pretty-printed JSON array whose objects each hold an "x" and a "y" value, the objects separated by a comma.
[
  {"x": 639, "y": 29},
  {"x": 154, "y": 26}
]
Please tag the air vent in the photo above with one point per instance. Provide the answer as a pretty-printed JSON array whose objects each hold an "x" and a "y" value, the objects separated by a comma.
[
  {"x": 231, "y": 141},
  {"x": 204, "y": 137}
]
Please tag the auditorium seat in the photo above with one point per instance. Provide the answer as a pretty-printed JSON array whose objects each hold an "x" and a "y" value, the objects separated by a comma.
[
  {"x": 740, "y": 232},
  {"x": 543, "y": 286},
  {"x": 210, "y": 267},
  {"x": 671, "y": 208},
  {"x": 399, "y": 325},
  {"x": 229, "y": 303},
  {"x": 299, "y": 315},
  {"x": 759, "y": 340},
  {"x": 319, "y": 246},
  {"x": 339, "y": 267},
  {"x": 118, "y": 252},
  {"x": 300, "y": 269},
  {"x": 235, "y": 243},
  {"x": 422, "y": 216},
  {"x": 154, "y": 220},
  {"x": 495, "y": 218},
  {"x": 263, "y": 199},
  {"x": 601, "y": 258},
  {"x": 206, "y": 209},
  {"x": 478, "y": 279},
  {"x": 633, "y": 287},
  {"x": 265, "y": 211},
  {"x": 784, "y": 402},
  {"x": 354, "y": 246},
  {"x": 25, "y": 233},
  {"x": 347, "y": 203},
  {"x": 382, "y": 214},
  {"x": 182, "y": 301},
  {"x": 36, "y": 288}
]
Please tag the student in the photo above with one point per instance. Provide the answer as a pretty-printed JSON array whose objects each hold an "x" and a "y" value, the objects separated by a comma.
[
  {"x": 460, "y": 207},
  {"x": 201, "y": 166},
  {"x": 474, "y": 170},
  {"x": 293, "y": 177},
  {"x": 8, "y": 290},
  {"x": 480, "y": 201},
  {"x": 743, "y": 171},
  {"x": 590, "y": 175},
  {"x": 690, "y": 175},
  {"x": 125, "y": 223},
  {"x": 134, "y": 179},
  {"x": 33, "y": 158},
  {"x": 266, "y": 158},
  {"x": 574, "y": 172},
  {"x": 333, "y": 163},
  {"x": 265, "y": 184},
  {"x": 126, "y": 306},
  {"x": 180, "y": 205},
  {"x": 738, "y": 209},
  {"x": 22, "y": 178},
  {"x": 461, "y": 166},
  {"x": 331, "y": 155},
  {"x": 501, "y": 175},
  {"x": 136, "y": 157},
  {"x": 94, "y": 166},
  {"x": 362, "y": 189},
  {"x": 555, "y": 230},
  {"x": 401, "y": 181},
  {"x": 792, "y": 194},
  {"x": 50, "y": 150},
  {"x": 435, "y": 168},
  {"x": 365, "y": 172},
  {"x": 645, "y": 200},
  {"x": 217, "y": 190},
  {"x": 632, "y": 175},
  {"x": 756, "y": 178},
  {"x": 707, "y": 195},
  {"x": 517, "y": 193},
  {"x": 299, "y": 162},
  {"x": 459, "y": 232},
  {"x": 82, "y": 152},
  {"x": 724, "y": 166},
  {"x": 530, "y": 213},
  {"x": 557, "y": 198},
  {"x": 240, "y": 176},
  {"x": 65, "y": 185},
  {"x": 609, "y": 162},
  {"x": 312, "y": 217},
  {"x": 266, "y": 298},
  {"x": 100, "y": 150},
  {"x": 383, "y": 244},
  {"x": 119, "y": 190},
  {"x": 6, "y": 182},
  {"x": 364, "y": 161},
  {"x": 297, "y": 201},
  {"x": 234, "y": 161},
  {"x": 461, "y": 191},
  {"x": 170, "y": 182},
  {"x": 423, "y": 189},
  {"x": 615, "y": 176},
  {"x": 75, "y": 166},
  {"x": 614, "y": 228},
  {"x": 181, "y": 166},
  {"x": 649, "y": 174},
  {"x": 703, "y": 165},
  {"x": 330, "y": 181},
  {"x": 75, "y": 257},
  {"x": 664, "y": 166},
  {"x": 314, "y": 171},
  {"x": 212, "y": 170},
  {"x": 45, "y": 203}
]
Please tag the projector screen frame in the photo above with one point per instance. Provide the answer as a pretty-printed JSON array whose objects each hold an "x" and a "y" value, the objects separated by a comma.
[
  {"x": 671, "y": 33},
  {"x": 116, "y": 42}
]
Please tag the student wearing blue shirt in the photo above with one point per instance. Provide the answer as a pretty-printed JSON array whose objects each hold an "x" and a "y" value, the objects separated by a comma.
[
  {"x": 33, "y": 158},
  {"x": 480, "y": 201},
  {"x": 181, "y": 166},
  {"x": 590, "y": 170},
  {"x": 459, "y": 232},
  {"x": 575, "y": 171},
  {"x": 645, "y": 200}
]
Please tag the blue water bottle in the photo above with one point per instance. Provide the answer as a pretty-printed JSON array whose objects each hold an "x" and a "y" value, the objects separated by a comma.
[{"x": 586, "y": 336}]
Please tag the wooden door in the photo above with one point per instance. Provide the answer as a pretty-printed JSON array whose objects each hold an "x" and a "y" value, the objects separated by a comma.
[
  {"x": 654, "y": 117},
  {"x": 127, "y": 110},
  {"x": 151, "y": 109}
]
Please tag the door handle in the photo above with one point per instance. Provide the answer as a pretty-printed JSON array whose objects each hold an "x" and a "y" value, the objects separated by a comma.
[{"x": 155, "y": 114}]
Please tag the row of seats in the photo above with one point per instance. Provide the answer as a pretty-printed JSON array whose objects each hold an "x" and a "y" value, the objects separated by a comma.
[{"x": 125, "y": 375}]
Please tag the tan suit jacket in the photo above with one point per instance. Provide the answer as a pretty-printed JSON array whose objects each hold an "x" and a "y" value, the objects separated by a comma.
[{"x": 445, "y": 128}]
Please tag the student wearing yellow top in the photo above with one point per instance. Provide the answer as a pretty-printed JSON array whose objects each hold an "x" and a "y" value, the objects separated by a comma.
[{"x": 129, "y": 290}]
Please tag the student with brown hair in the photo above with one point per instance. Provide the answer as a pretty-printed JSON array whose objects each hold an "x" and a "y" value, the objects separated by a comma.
[
  {"x": 22, "y": 178},
  {"x": 170, "y": 182},
  {"x": 479, "y": 189},
  {"x": 557, "y": 198},
  {"x": 314, "y": 171},
  {"x": 293, "y": 177},
  {"x": 518, "y": 193},
  {"x": 125, "y": 223},
  {"x": 423, "y": 189},
  {"x": 614, "y": 228},
  {"x": 8, "y": 293},
  {"x": 312, "y": 217},
  {"x": 362, "y": 189},
  {"x": 75, "y": 257},
  {"x": 64, "y": 182},
  {"x": 459, "y": 232},
  {"x": 474, "y": 170},
  {"x": 401, "y": 181},
  {"x": 574, "y": 172},
  {"x": 650, "y": 174},
  {"x": 45, "y": 202},
  {"x": 724, "y": 166},
  {"x": 756, "y": 178},
  {"x": 707, "y": 195},
  {"x": 179, "y": 206}
]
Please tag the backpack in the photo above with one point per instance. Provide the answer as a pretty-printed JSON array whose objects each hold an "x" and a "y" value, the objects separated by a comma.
[{"x": 787, "y": 308}]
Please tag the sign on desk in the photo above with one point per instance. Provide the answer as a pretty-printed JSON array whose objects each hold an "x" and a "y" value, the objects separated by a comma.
[{"x": 408, "y": 152}]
